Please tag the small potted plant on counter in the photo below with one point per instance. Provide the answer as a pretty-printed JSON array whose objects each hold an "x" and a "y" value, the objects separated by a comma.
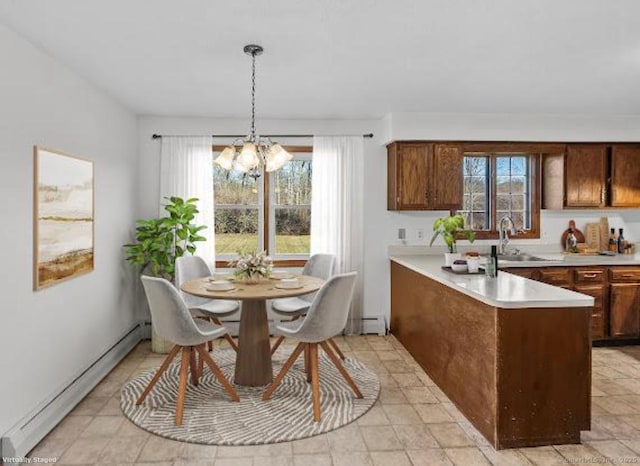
[{"x": 451, "y": 228}]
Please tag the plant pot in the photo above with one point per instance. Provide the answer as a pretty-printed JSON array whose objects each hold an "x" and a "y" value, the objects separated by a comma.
[
  {"x": 158, "y": 344},
  {"x": 449, "y": 257}
]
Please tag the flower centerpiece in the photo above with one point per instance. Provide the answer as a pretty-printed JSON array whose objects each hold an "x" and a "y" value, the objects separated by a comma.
[{"x": 252, "y": 267}]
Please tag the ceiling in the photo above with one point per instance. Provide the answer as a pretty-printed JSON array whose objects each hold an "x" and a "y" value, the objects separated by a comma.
[{"x": 346, "y": 58}]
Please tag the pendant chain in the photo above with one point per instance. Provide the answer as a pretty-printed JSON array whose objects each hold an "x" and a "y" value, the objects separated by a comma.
[{"x": 253, "y": 96}]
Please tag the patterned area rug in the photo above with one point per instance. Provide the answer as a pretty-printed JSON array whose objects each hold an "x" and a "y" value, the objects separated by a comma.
[{"x": 210, "y": 417}]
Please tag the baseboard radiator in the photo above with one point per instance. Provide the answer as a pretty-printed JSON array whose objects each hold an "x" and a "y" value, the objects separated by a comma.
[{"x": 26, "y": 434}]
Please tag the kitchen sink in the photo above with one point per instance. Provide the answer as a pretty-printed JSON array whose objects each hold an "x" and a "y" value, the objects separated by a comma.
[{"x": 520, "y": 258}]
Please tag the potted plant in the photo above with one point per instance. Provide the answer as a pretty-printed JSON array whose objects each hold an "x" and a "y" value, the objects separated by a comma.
[
  {"x": 159, "y": 241},
  {"x": 451, "y": 228}
]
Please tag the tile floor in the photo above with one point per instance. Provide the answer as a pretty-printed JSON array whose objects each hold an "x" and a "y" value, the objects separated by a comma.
[{"x": 413, "y": 423}]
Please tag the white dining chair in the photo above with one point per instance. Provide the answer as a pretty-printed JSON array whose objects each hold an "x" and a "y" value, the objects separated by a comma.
[
  {"x": 194, "y": 267},
  {"x": 319, "y": 266},
  {"x": 173, "y": 321},
  {"x": 326, "y": 318}
]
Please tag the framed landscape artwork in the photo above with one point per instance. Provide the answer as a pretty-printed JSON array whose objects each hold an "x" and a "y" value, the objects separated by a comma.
[{"x": 63, "y": 217}]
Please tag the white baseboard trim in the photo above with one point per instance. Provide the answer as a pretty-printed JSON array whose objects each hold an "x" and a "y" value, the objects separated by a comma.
[{"x": 26, "y": 434}]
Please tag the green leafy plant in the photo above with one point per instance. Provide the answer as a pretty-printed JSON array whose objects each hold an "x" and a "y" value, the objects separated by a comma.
[
  {"x": 451, "y": 228},
  {"x": 159, "y": 241}
]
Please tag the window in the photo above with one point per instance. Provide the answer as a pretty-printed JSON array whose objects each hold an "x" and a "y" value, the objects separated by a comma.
[
  {"x": 271, "y": 213},
  {"x": 499, "y": 184}
]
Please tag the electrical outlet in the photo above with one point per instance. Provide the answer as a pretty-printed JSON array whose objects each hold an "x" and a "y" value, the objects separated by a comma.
[{"x": 420, "y": 234}]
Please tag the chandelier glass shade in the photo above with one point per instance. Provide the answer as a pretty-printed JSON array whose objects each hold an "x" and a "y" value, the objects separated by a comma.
[{"x": 253, "y": 154}]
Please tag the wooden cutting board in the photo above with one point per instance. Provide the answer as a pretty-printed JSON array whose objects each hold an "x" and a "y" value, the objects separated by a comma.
[
  {"x": 604, "y": 233},
  {"x": 592, "y": 236},
  {"x": 577, "y": 233}
]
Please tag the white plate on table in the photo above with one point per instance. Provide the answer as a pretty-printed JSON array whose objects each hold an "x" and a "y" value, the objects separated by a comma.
[
  {"x": 282, "y": 286},
  {"x": 213, "y": 286}
]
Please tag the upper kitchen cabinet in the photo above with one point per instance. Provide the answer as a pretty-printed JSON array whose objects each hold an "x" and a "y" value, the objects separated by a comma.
[
  {"x": 585, "y": 169},
  {"x": 424, "y": 176},
  {"x": 625, "y": 175}
]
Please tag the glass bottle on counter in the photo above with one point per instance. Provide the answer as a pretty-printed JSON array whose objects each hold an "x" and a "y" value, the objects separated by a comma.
[
  {"x": 571, "y": 243},
  {"x": 491, "y": 267},
  {"x": 622, "y": 243},
  {"x": 613, "y": 241}
]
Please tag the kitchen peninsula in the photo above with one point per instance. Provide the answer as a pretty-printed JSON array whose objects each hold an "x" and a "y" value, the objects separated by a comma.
[{"x": 513, "y": 354}]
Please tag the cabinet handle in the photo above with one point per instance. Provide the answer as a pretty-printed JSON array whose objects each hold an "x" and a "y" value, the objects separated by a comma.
[
  {"x": 590, "y": 275},
  {"x": 627, "y": 275}
]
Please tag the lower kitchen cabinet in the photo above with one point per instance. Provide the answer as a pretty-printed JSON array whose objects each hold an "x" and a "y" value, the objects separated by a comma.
[
  {"x": 615, "y": 289},
  {"x": 598, "y": 315},
  {"x": 624, "y": 312}
]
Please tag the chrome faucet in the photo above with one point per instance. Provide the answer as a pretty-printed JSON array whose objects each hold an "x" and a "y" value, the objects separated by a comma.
[{"x": 504, "y": 234}]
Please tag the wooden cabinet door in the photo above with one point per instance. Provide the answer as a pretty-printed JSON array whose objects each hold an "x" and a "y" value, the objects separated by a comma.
[
  {"x": 532, "y": 274},
  {"x": 598, "y": 315},
  {"x": 445, "y": 190},
  {"x": 557, "y": 276},
  {"x": 585, "y": 175},
  {"x": 625, "y": 175},
  {"x": 412, "y": 175},
  {"x": 624, "y": 311}
]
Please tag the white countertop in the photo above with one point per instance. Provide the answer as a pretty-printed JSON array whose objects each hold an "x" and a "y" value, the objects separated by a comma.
[{"x": 505, "y": 291}]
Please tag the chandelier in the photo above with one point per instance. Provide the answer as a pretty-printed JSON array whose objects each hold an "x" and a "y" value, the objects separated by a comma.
[{"x": 257, "y": 153}]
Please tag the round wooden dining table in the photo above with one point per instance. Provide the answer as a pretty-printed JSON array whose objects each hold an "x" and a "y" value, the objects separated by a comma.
[{"x": 253, "y": 361}]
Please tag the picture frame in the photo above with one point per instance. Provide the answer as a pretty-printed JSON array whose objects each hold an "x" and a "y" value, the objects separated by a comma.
[{"x": 63, "y": 217}]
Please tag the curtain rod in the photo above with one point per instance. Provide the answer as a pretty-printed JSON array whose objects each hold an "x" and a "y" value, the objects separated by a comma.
[{"x": 159, "y": 136}]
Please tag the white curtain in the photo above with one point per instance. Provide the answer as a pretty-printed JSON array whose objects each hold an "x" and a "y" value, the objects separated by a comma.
[
  {"x": 336, "y": 210},
  {"x": 186, "y": 170}
]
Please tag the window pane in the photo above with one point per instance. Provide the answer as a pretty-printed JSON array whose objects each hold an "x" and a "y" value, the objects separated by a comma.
[
  {"x": 503, "y": 203},
  {"x": 502, "y": 166},
  {"x": 517, "y": 202},
  {"x": 292, "y": 187},
  {"x": 476, "y": 197},
  {"x": 479, "y": 221},
  {"x": 231, "y": 187},
  {"x": 503, "y": 184},
  {"x": 518, "y": 220},
  {"x": 236, "y": 230},
  {"x": 293, "y": 229},
  {"x": 475, "y": 166},
  {"x": 518, "y": 165},
  {"x": 518, "y": 184},
  {"x": 293, "y": 184},
  {"x": 479, "y": 202}
]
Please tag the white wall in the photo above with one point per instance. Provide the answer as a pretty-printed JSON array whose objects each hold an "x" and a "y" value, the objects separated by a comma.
[
  {"x": 49, "y": 336},
  {"x": 381, "y": 224}
]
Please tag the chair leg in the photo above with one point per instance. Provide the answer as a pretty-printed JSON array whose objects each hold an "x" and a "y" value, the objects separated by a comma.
[
  {"x": 227, "y": 337},
  {"x": 336, "y": 362},
  {"x": 335, "y": 346},
  {"x": 287, "y": 365},
  {"x": 182, "y": 388},
  {"x": 278, "y": 342},
  {"x": 193, "y": 367},
  {"x": 315, "y": 380},
  {"x": 201, "y": 360},
  {"x": 307, "y": 365},
  {"x": 218, "y": 373},
  {"x": 161, "y": 370}
]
